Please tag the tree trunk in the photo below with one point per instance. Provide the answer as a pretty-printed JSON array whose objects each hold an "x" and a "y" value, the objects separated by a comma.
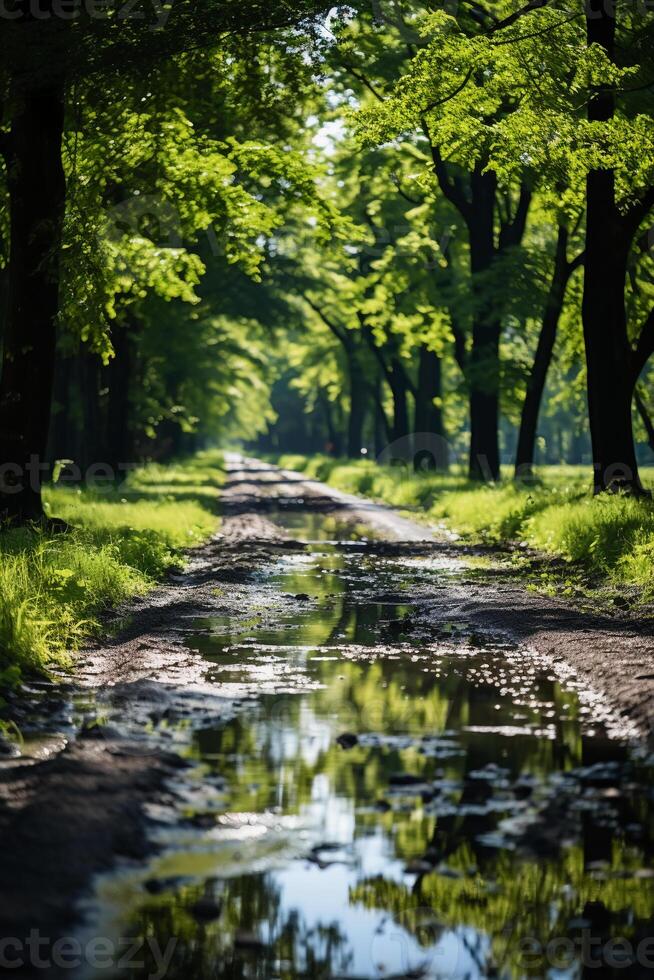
[
  {"x": 431, "y": 454},
  {"x": 59, "y": 441},
  {"x": 358, "y": 404},
  {"x": 382, "y": 429},
  {"x": 93, "y": 438},
  {"x": 333, "y": 435},
  {"x": 609, "y": 368},
  {"x": 120, "y": 448},
  {"x": 483, "y": 362},
  {"x": 399, "y": 389},
  {"x": 609, "y": 362},
  {"x": 524, "y": 460},
  {"x": 37, "y": 198}
]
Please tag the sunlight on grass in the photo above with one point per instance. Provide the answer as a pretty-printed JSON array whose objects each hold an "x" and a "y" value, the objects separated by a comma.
[
  {"x": 53, "y": 588},
  {"x": 609, "y": 535}
]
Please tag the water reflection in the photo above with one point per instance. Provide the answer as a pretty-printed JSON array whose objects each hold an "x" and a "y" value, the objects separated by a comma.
[{"x": 396, "y": 806}]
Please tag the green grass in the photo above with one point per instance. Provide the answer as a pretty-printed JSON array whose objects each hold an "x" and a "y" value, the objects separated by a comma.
[
  {"x": 54, "y": 588},
  {"x": 611, "y": 537}
]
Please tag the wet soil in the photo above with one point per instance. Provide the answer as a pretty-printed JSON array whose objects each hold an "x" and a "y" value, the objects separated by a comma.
[{"x": 330, "y": 749}]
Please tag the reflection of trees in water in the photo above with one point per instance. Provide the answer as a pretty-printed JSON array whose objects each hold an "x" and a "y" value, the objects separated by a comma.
[
  {"x": 515, "y": 898},
  {"x": 267, "y": 760},
  {"x": 227, "y": 947}
]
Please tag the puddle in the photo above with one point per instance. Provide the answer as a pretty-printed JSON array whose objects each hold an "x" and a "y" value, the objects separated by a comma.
[
  {"x": 312, "y": 527},
  {"x": 394, "y": 803},
  {"x": 47, "y": 715}
]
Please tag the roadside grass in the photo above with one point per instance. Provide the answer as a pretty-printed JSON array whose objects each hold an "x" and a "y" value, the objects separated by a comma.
[
  {"x": 54, "y": 587},
  {"x": 611, "y": 537}
]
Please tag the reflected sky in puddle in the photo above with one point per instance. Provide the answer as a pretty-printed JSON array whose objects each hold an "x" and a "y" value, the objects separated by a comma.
[{"x": 394, "y": 803}]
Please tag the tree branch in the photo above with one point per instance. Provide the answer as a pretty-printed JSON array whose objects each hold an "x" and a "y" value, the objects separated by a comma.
[
  {"x": 340, "y": 333},
  {"x": 377, "y": 351},
  {"x": 512, "y": 231},
  {"x": 516, "y": 15},
  {"x": 575, "y": 263},
  {"x": 407, "y": 197},
  {"x": 450, "y": 95},
  {"x": 360, "y": 77},
  {"x": 451, "y": 187}
]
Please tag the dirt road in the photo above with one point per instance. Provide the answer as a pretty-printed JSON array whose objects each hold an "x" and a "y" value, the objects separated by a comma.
[{"x": 116, "y": 743}]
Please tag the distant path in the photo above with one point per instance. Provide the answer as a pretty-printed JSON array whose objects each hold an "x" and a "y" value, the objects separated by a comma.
[{"x": 251, "y": 480}]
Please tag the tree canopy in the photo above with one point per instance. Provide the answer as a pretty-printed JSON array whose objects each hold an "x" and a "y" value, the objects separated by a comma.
[{"x": 329, "y": 227}]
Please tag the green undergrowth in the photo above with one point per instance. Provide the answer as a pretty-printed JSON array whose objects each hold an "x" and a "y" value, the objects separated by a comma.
[
  {"x": 55, "y": 587},
  {"x": 609, "y": 536}
]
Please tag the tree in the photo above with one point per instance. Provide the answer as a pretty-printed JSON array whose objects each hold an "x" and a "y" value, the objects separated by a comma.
[
  {"x": 44, "y": 56},
  {"x": 604, "y": 62},
  {"x": 564, "y": 267}
]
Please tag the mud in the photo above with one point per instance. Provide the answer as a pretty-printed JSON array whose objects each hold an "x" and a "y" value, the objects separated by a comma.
[{"x": 81, "y": 797}]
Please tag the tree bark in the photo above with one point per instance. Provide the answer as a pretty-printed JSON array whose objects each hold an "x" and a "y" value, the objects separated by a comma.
[
  {"x": 399, "y": 391},
  {"x": 358, "y": 402},
  {"x": 429, "y": 416},
  {"x": 524, "y": 460},
  {"x": 483, "y": 362},
  {"x": 120, "y": 447},
  {"x": 37, "y": 198},
  {"x": 381, "y": 426},
  {"x": 333, "y": 436},
  {"x": 608, "y": 353},
  {"x": 609, "y": 358},
  {"x": 482, "y": 366}
]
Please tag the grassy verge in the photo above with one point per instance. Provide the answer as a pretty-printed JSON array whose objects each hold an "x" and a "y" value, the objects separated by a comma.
[
  {"x": 611, "y": 537},
  {"x": 53, "y": 588}
]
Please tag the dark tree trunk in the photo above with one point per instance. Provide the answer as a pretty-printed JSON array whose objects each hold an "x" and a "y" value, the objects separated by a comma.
[
  {"x": 431, "y": 454},
  {"x": 333, "y": 434},
  {"x": 37, "y": 198},
  {"x": 358, "y": 403},
  {"x": 93, "y": 451},
  {"x": 120, "y": 448},
  {"x": 609, "y": 359},
  {"x": 609, "y": 367},
  {"x": 77, "y": 427},
  {"x": 483, "y": 361},
  {"x": 382, "y": 428},
  {"x": 59, "y": 439},
  {"x": 482, "y": 367},
  {"x": 399, "y": 390},
  {"x": 524, "y": 461}
]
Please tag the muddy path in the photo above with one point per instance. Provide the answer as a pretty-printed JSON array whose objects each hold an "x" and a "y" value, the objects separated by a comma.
[{"x": 330, "y": 749}]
